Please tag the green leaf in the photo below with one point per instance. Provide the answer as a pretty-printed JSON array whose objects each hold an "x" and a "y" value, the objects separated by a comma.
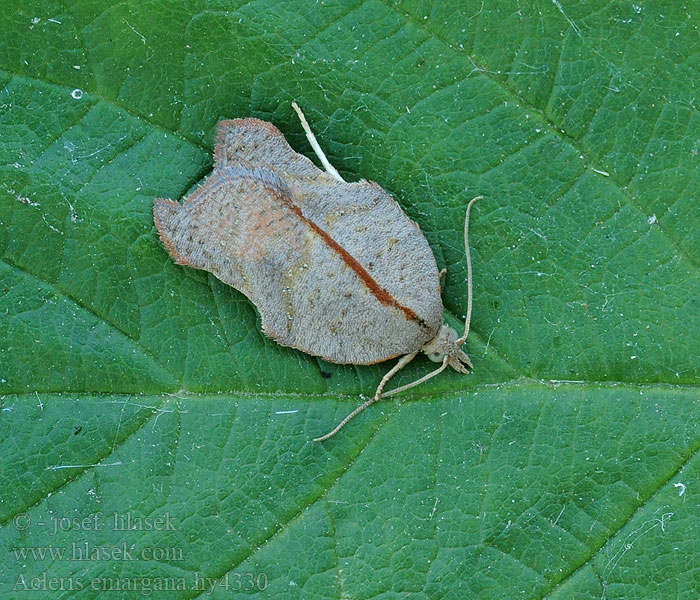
[{"x": 154, "y": 442}]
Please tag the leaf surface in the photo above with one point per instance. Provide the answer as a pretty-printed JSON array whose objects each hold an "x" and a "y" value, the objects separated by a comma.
[{"x": 153, "y": 441}]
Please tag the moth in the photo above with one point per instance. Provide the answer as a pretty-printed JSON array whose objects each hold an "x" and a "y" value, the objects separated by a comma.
[{"x": 336, "y": 269}]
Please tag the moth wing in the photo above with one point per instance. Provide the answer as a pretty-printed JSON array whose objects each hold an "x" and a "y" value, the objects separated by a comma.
[
  {"x": 228, "y": 225},
  {"x": 246, "y": 228},
  {"x": 254, "y": 143},
  {"x": 334, "y": 312},
  {"x": 371, "y": 226},
  {"x": 361, "y": 216}
]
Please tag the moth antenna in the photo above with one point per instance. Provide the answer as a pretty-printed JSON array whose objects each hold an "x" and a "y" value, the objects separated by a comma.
[
  {"x": 403, "y": 361},
  {"x": 468, "y": 319},
  {"x": 314, "y": 144}
]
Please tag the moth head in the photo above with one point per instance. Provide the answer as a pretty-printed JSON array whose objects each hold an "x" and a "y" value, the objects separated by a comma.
[{"x": 445, "y": 344}]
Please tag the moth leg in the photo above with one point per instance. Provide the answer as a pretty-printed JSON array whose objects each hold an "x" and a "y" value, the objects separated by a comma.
[
  {"x": 441, "y": 274},
  {"x": 403, "y": 361},
  {"x": 314, "y": 144}
]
